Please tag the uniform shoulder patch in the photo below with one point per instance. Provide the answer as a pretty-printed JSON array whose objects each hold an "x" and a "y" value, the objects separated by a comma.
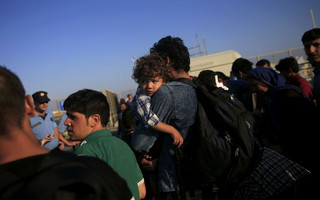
[{"x": 35, "y": 125}]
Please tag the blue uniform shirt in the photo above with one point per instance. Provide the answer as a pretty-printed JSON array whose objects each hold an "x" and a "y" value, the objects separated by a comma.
[{"x": 41, "y": 127}]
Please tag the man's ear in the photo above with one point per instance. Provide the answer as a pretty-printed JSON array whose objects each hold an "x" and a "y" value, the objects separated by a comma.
[
  {"x": 94, "y": 120},
  {"x": 241, "y": 74},
  {"x": 30, "y": 110}
]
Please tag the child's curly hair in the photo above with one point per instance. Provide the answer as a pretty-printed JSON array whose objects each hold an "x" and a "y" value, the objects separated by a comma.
[{"x": 150, "y": 66}]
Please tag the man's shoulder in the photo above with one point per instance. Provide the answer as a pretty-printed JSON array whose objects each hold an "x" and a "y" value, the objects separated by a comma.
[
  {"x": 87, "y": 172},
  {"x": 182, "y": 89},
  {"x": 35, "y": 117},
  {"x": 317, "y": 75},
  {"x": 88, "y": 165},
  {"x": 174, "y": 92},
  {"x": 316, "y": 71},
  {"x": 87, "y": 148},
  {"x": 49, "y": 112},
  {"x": 174, "y": 86},
  {"x": 177, "y": 83},
  {"x": 98, "y": 141},
  {"x": 300, "y": 80}
]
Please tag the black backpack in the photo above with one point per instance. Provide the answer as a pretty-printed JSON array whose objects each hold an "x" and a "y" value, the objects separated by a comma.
[{"x": 220, "y": 149}]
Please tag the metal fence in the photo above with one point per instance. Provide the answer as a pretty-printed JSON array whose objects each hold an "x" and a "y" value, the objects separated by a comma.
[
  {"x": 275, "y": 56},
  {"x": 298, "y": 53}
]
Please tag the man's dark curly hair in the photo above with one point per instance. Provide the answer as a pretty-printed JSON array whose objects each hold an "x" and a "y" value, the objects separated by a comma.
[
  {"x": 150, "y": 66},
  {"x": 175, "y": 50}
]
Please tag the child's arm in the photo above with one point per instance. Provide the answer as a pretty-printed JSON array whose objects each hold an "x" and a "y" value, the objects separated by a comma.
[
  {"x": 174, "y": 133},
  {"x": 151, "y": 120}
]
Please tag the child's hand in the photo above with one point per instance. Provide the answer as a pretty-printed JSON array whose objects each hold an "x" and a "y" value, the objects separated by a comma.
[
  {"x": 46, "y": 138},
  {"x": 177, "y": 139},
  {"x": 73, "y": 143},
  {"x": 148, "y": 163}
]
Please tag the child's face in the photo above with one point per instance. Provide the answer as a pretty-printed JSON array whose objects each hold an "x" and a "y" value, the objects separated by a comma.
[{"x": 150, "y": 86}]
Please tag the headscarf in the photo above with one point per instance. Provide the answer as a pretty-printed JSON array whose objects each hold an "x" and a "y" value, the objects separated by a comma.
[{"x": 267, "y": 76}]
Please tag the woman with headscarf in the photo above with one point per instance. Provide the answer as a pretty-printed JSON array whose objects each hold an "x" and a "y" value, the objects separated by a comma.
[{"x": 286, "y": 119}]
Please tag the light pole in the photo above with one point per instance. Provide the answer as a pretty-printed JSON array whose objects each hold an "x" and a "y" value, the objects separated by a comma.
[{"x": 314, "y": 23}]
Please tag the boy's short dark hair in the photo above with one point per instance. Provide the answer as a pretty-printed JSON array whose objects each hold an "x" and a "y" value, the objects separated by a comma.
[
  {"x": 88, "y": 102},
  {"x": 150, "y": 66},
  {"x": 263, "y": 62},
  {"x": 241, "y": 64}
]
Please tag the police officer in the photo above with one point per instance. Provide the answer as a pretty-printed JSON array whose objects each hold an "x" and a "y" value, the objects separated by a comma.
[{"x": 43, "y": 122}]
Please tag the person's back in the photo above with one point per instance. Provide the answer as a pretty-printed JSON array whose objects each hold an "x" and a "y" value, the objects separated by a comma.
[
  {"x": 288, "y": 117},
  {"x": 29, "y": 171},
  {"x": 295, "y": 120},
  {"x": 240, "y": 87},
  {"x": 46, "y": 177}
]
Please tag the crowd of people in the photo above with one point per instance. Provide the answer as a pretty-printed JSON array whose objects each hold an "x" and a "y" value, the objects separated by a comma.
[{"x": 138, "y": 162}]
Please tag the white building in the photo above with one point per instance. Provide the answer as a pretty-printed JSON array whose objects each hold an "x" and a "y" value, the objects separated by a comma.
[{"x": 221, "y": 61}]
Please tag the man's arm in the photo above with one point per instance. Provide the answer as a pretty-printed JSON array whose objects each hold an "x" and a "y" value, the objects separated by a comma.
[
  {"x": 57, "y": 135},
  {"x": 142, "y": 189},
  {"x": 67, "y": 142}
]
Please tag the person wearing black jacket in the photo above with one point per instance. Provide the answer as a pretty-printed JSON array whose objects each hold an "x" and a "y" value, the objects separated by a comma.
[{"x": 29, "y": 171}]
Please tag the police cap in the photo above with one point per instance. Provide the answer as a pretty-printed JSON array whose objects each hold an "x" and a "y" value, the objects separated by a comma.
[{"x": 40, "y": 97}]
